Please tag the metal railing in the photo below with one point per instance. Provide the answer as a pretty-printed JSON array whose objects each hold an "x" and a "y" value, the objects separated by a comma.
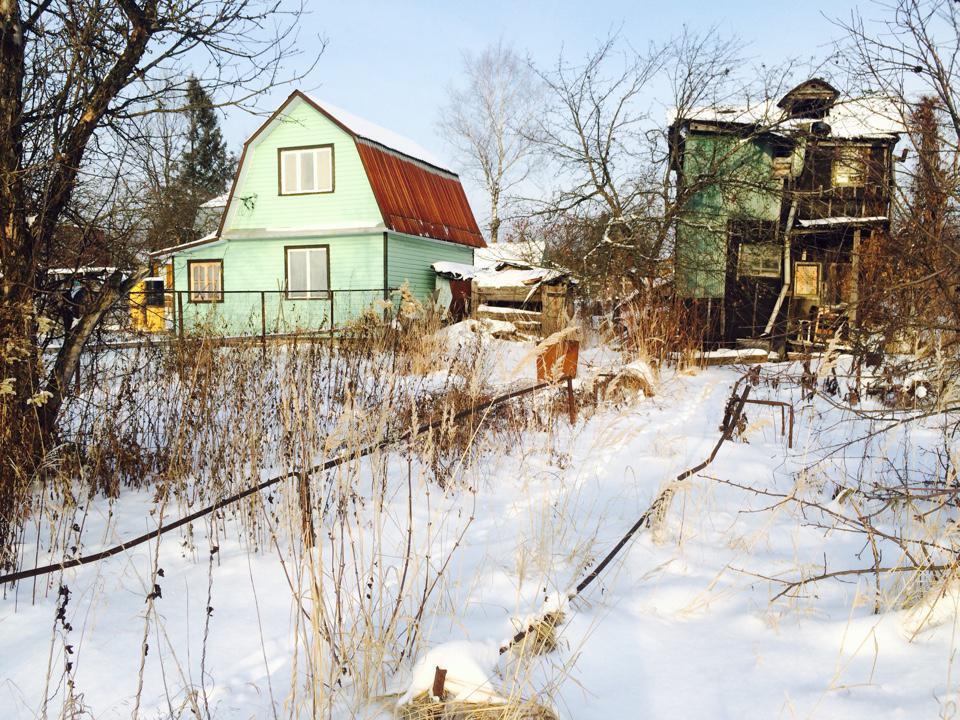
[{"x": 253, "y": 313}]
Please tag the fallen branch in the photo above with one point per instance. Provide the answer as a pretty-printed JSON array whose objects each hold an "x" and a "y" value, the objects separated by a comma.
[
  {"x": 329, "y": 464},
  {"x": 731, "y": 420}
]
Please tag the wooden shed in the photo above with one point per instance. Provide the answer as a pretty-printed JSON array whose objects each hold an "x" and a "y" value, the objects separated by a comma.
[{"x": 537, "y": 300}]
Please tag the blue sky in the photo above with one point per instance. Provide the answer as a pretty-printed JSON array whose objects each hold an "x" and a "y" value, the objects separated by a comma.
[{"x": 391, "y": 62}]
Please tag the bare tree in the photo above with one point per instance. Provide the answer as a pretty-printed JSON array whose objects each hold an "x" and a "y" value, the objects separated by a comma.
[
  {"x": 911, "y": 55},
  {"x": 75, "y": 78},
  {"x": 488, "y": 122},
  {"x": 612, "y": 151}
]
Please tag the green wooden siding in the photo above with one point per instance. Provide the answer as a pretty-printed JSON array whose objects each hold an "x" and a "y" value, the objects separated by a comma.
[
  {"x": 409, "y": 259},
  {"x": 261, "y": 223},
  {"x": 257, "y": 203},
  {"x": 252, "y": 265},
  {"x": 741, "y": 185}
]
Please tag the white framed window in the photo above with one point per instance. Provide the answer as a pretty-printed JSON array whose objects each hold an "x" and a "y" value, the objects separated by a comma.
[
  {"x": 306, "y": 170},
  {"x": 308, "y": 272},
  {"x": 205, "y": 280}
]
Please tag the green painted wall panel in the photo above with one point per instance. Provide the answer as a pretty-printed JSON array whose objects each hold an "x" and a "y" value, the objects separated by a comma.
[
  {"x": 410, "y": 258},
  {"x": 252, "y": 265},
  {"x": 740, "y": 185},
  {"x": 257, "y": 203}
]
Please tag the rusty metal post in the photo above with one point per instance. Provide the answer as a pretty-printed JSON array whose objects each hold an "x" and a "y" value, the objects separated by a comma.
[
  {"x": 263, "y": 322},
  {"x": 783, "y": 425},
  {"x": 790, "y": 436},
  {"x": 571, "y": 406},
  {"x": 180, "y": 311},
  {"x": 439, "y": 680}
]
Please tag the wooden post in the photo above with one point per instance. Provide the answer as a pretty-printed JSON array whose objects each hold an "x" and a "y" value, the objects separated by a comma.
[
  {"x": 331, "y": 315},
  {"x": 263, "y": 322},
  {"x": 855, "y": 279},
  {"x": 306, "y": 511},
  {"x": 571, "y": 406},
  {"x": 180, "y": 311},
  {"x": 439, "y": 680}
]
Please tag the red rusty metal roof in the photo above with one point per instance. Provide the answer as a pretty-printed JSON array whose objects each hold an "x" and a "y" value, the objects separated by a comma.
[{"x": 418, "y": 199}]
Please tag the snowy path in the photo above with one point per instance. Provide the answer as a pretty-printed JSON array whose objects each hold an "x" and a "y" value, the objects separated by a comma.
[
  {"x": 679, "y": 626},
  {"x": 682, "y": 627}
]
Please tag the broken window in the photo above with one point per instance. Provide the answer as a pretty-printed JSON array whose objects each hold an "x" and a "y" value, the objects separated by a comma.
[
  {"x": 757, "y": 254},
  {"x": 849, "y": 167},
  {"x": 806, "y": 279},
  {"x": 759, "y": 260}
]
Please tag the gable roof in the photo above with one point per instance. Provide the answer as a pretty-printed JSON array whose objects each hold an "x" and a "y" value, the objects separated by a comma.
[
  {"x": 814, "y": 95},
  {"x": 415, "y": 193},
  {"x": 869, "y": 116}
]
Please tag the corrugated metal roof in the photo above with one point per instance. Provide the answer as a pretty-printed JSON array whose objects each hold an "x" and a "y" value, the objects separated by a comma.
[{"x": 417, "y": 199}]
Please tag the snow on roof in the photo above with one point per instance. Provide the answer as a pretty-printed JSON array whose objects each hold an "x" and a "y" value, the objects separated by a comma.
[
  {"x": 841, "y": 220},
  {"x": 504, "y": 275},
  {"x": 206, "y": 239},
  {"x": 84, "y": 270},
  {"x": 381, "y": 136},
  {"x": 516, "y": 277},
  {"x": 865, "y": 117},
  {"x": 218, "y": 201},
  {"x": 528, "y": 251},
  {"x": 454, "y": 270}
]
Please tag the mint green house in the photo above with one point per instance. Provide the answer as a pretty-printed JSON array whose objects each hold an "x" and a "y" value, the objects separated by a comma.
[{"x": 327, "y": 215}]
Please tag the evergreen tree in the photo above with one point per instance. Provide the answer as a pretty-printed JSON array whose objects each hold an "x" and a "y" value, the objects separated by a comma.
[
  {"x": 203, "y": 171},
  {"x": 206, "y": 166}
]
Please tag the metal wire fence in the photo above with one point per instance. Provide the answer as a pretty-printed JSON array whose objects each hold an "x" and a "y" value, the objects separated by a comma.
[{"x": 252, "y": 313}]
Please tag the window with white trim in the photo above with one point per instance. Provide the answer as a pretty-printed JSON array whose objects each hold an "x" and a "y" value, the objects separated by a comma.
[
  {"x": 205, "y": 278},
  {"x": 308, "y": 273},
  {"x": 306, "y": 170}
]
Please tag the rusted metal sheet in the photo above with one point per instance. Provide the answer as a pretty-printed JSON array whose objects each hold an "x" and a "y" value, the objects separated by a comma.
[{"x": 417, "y": 200}]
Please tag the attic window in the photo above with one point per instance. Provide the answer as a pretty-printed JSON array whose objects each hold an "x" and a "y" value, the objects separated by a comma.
[
  {"x": 305, "y": 170},
  {"x": 811, "y": 99}
]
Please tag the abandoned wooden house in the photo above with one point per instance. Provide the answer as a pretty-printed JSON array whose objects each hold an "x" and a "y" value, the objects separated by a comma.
[{"x": 777, "y": 200}]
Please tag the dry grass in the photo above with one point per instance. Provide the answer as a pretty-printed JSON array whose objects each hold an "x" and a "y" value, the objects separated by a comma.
[
  {"x": 196, "y": 421},
  {"x": 425, "y": 707},
  {"x": 659, "y": 333}
]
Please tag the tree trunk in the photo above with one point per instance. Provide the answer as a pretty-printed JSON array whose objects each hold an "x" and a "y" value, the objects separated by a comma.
[
  {"x": 494, "y": 216},
  {"x": 20, "y": 438},
  {"x": 68, "y": 358}
]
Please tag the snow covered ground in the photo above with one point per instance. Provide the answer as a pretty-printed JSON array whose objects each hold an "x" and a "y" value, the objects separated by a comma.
[{"x": 682, "y": 624}]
